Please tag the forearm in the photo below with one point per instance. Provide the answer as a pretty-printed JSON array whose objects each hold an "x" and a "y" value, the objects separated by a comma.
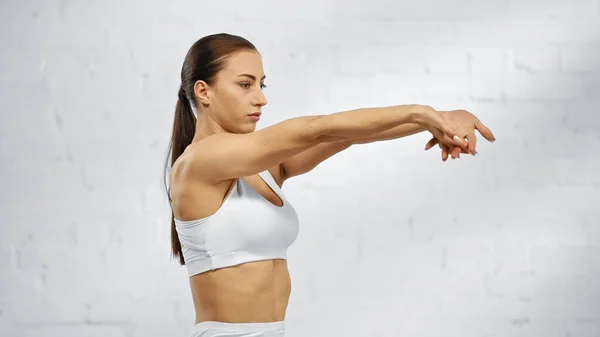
[
  {"x": 366, "y": 122},
  {"x": 399, "y": 131}
]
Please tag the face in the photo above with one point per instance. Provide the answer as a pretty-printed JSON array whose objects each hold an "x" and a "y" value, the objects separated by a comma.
[{"x": 236, "y": 93}]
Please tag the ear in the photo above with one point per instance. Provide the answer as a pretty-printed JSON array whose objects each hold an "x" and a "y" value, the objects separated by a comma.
[{"x": 201, "y": 92}]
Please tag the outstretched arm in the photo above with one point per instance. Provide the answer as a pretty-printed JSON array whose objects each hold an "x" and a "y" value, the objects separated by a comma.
[
  {"x": 399, "y": 131},
  {"x": 464, "y": 122},
  {"x": 307, "y": 160}
]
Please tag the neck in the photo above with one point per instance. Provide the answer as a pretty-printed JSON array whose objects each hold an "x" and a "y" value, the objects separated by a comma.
[{"x": 205, "y": 128}]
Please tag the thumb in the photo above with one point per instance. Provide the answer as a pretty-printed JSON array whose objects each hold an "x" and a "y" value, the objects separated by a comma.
[{"x": 456, "y": 140}]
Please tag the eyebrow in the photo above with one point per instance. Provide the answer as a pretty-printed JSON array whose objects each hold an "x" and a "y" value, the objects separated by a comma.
[{"x": 253, "y": 77}]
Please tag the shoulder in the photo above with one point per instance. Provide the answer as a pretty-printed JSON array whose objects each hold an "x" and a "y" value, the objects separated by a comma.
[
  {"x": 192, "y": 156},
  {"x": 183, "y": 171},
  {"x": 188, "y": 163}
]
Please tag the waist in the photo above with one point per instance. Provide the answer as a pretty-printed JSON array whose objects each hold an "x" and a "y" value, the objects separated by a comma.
[
  {"x": 250, "y": 292},
  {"x": 276, "y": 326}
]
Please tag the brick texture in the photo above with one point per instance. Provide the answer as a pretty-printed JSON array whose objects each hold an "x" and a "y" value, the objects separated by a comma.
[{"x": 393, "y": 241}]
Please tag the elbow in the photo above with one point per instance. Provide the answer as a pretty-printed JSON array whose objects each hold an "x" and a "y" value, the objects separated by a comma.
[{"x": 314, "y": 129}]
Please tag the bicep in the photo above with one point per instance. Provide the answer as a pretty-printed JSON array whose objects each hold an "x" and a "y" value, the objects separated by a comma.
[{"x": 225, "y": 156}]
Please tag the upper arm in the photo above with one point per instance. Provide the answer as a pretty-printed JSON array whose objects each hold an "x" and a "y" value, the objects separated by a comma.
[
  {"x": 225, "y": 155},
  {"x": 307, "y": 160},
  {"x": 277, "y": 173}
]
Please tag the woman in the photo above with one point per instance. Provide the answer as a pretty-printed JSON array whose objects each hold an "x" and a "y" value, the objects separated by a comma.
[{"x": 231, "y": 222}]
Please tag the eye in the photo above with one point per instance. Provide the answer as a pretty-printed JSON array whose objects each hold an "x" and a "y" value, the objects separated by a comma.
[{"x": 247, "y": 85}]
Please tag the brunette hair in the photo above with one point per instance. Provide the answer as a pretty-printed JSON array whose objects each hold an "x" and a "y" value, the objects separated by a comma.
[{"x": 205, "y": 58}]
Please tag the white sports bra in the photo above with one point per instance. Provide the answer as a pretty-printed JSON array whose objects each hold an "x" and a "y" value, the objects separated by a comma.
[{"x": 247, "y": 227}]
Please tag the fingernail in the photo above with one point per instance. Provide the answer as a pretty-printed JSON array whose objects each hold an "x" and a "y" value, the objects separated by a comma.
[{"x": 456, "y": 139}]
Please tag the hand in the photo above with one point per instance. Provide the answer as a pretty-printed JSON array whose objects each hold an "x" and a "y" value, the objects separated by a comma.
[
  {"x": 465, "y": 125},
  {"x": 444, "y": 133}
]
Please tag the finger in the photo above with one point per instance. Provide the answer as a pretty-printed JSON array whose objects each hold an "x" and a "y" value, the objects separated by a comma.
[
  {"x": 455, "y": 152},
  {"x": 453, "y": 135},
  {"x": 431, "y": 143},
  {"x": 484, "y": 131},
  {"x": 445, "y": 151},
  {"x": 441, "y": 138},
  {"x": 472, "y": 142},
  {"x": 444, "y": 138},
  {"x": 451, "y": 143}
]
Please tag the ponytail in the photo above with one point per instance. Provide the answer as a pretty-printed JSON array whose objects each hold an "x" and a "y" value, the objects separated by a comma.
[
  {"x": 184, "y": 127},
  {"x": 202, "y": 62}
]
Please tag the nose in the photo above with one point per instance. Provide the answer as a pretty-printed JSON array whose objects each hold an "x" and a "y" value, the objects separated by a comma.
[{"x": 261, "y": 99}]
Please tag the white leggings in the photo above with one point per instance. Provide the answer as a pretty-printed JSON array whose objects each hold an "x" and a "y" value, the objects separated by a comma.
[{"x": 223, "y": 329}]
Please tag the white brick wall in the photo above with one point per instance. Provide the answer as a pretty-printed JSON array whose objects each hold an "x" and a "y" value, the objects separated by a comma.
[{"x": 393, "y": 241}]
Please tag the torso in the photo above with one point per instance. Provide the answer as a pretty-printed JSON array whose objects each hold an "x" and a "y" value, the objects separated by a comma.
[{"x": 251, "y": 292}]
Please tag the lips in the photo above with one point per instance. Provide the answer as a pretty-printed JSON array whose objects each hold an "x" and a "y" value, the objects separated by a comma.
[{"x": 255, "y": 116}]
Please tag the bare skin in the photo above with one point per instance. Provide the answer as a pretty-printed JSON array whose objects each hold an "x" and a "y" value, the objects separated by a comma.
[
  {"x": 251, "y": 292},
  {"x": 200, "y": 179}
]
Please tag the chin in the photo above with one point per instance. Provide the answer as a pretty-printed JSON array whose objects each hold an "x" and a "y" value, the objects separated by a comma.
[{"x": 247, "y": 129}]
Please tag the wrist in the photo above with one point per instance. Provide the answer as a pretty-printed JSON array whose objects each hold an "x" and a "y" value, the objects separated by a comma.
[{"x": 418, "y": 112}]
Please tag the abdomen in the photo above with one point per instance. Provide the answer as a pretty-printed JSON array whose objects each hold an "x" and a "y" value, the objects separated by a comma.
[{"x": 251, "y": 292}]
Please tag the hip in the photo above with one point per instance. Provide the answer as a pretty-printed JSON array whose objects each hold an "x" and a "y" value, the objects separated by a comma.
[{"x": 226, "y": 329}]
